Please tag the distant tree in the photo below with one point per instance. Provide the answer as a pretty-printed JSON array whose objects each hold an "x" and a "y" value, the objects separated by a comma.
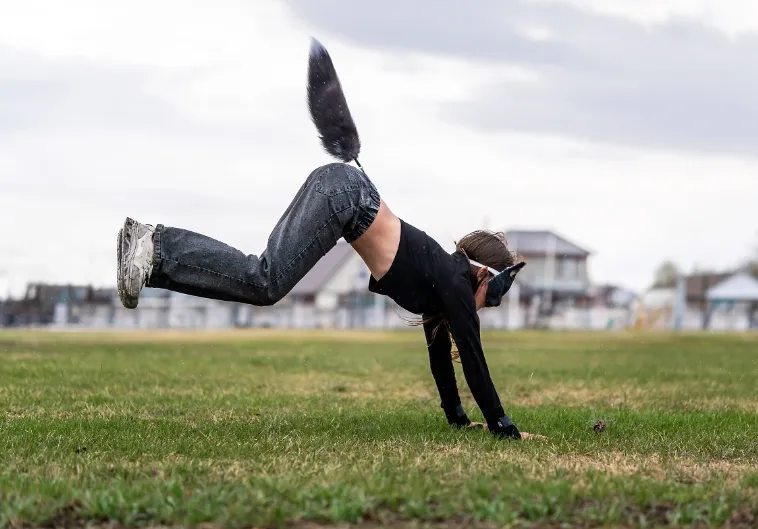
[
  {"x": 666, "y": 275},
  {"x": 752, "y": 268},
  {"x": 752, "y": 263}
]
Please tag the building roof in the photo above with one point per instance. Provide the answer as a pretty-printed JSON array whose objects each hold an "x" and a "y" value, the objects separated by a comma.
[
  {"x": 697, "y": 285},
  {"x": 324, "y": 270},
  {"x": 537, "y": 242},
  {"x": 47, "y": 293},
  {"x": 738, "y": 287}
]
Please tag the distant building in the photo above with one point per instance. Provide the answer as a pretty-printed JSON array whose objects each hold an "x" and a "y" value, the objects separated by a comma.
[
  {"x": 712, "y": 300},
  {"x": 611, "y": 296},
  {"x": 737, "y": 296},
  {"x": 552, "y": 291},
  {"x": 555, "y": 277},
  {"x": 43, "y": 304},
  {"x": 334, "y": 293},
  {"x": 554, "y": 264}
]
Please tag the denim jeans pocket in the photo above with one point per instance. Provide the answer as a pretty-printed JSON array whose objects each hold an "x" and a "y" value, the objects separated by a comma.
[{"x": 336, "y": 179}]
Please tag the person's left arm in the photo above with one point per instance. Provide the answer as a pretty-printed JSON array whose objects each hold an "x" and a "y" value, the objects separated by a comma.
[
  {"x": 460, "y": 310},
  {"x": 441, "y": 363}
]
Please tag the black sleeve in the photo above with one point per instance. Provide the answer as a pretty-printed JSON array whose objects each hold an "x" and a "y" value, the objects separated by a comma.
[
  {"x": 460, "y": 310},
  {"x": 441, "y": 363}
]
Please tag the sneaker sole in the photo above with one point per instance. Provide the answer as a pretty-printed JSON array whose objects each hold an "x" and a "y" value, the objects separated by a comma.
[
  {"x": 118, "y": 263},
  {"x": 129, "y": 228}
]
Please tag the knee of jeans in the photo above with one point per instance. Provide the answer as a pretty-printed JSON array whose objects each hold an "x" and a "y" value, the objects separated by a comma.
[
  {"x": 259, "y": 295},
  {"x": 270, "y": 296}
]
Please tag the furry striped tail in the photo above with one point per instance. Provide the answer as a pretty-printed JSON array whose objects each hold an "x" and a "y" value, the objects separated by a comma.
[{"x": 328, "y": 107}]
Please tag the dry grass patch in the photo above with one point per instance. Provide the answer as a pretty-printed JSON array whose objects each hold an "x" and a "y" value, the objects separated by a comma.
[
  {"x": 628, "y": 396},
  {"x": 16, "y": 356},
  {"x": 581, "y": 396},
  {"x": 204, "y": 336}
]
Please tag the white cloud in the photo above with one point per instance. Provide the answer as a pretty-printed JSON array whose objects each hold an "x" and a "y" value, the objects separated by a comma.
[
  {"x": 678, "y": 84},
  {"x": 732, "y": 16}
]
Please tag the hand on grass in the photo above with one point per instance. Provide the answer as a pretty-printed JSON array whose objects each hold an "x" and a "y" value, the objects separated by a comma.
[{"x": 524, "y": 435}]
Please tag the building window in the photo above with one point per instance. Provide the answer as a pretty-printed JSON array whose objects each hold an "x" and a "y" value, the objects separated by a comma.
[{"x": 568, "y": 268}]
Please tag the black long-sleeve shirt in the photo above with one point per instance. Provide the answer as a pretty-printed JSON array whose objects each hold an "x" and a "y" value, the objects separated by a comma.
[{"x": 426, "y": 280}]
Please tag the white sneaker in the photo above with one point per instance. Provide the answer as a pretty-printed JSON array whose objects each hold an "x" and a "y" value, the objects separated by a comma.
[{"x": 135, "y": 260}]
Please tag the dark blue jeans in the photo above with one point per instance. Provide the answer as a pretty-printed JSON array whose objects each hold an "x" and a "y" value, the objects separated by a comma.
[{"x": 336, "y": 201}]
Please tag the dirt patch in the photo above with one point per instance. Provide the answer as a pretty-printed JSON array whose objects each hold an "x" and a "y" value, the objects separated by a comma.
[
  {"x": 69, "y": 515},
  {"x": 656, "y": 514},
  {"x": 457, "y": 522},
  {"x": 744, "y": 518},
  {"x": 20, "y": 356}
]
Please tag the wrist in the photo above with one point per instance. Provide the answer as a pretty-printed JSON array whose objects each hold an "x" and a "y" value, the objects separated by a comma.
[
  {"x": 456, "y": 416},
  {"x": 504, "y": 428}
]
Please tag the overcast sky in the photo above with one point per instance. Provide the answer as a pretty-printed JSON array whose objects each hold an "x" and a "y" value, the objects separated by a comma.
[{"x": 629, "y": 127}]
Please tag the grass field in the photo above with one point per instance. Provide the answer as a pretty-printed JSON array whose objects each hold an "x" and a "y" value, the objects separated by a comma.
[{"x": 309, "y": 429}]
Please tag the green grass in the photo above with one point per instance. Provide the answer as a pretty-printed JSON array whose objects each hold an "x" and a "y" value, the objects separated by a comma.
[{"x": 272, "y": 429}]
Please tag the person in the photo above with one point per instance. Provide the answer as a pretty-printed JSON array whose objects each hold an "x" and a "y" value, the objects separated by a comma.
[{"x": 339, "y": 201}]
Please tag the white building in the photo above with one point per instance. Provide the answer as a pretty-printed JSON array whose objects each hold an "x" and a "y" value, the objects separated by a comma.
[
  {"x": 334, "y": 294},
  {"x": 720, "y": 302},
  {"x": 735, "y": 300}
]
